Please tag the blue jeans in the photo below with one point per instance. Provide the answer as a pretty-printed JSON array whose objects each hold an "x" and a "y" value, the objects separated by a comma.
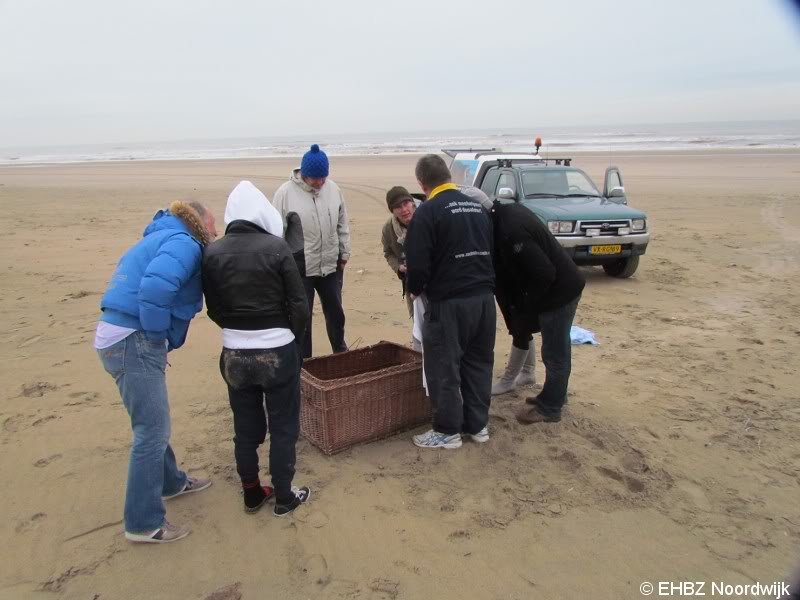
[{"x": 138, "y": 365}]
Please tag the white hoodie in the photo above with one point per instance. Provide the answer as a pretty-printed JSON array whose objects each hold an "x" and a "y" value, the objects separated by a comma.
[{"x": 247, "y": 203}]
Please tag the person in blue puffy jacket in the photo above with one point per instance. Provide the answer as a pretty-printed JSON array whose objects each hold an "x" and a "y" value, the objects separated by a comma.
[{"x": 152, "y": 296}]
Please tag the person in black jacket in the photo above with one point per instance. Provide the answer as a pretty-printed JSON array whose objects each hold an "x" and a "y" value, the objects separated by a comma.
[
  {"x": 538, "y": 289},
  {"x": 254, "y": 292},
  {"x": 449, "y": 258}
]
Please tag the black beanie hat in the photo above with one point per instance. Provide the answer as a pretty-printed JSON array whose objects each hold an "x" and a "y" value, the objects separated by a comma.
[{"x": 396, "y": 196}]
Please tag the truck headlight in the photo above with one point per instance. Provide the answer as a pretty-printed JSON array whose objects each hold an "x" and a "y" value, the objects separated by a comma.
[
  {"x": 557, "y": 227},
  {"x": 638, "y": 224}
]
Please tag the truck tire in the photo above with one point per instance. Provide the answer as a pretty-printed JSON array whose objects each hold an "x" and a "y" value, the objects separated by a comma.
[{"x": 623, "y": 268}]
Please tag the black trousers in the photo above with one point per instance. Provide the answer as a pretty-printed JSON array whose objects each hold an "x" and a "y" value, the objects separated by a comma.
[
  {"x": 458, "y": 341},
  {"x": 329, "y": 289},
  {"x": 254, "y": 376},
  {"x": 556, "y": 356}
]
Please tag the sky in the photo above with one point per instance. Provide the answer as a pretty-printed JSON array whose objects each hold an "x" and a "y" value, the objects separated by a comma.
[{"x": 105, "y": 71}]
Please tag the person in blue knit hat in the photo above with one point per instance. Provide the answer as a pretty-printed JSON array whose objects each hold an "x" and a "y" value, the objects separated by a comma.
[{"x": 318, "y": 233}]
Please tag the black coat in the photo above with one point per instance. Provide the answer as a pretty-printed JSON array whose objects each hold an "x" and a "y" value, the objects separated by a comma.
[
  {"x": 449, "y": 248},
  {"x": 533, "y": 272},
  {"x": 251, "y": 281}
]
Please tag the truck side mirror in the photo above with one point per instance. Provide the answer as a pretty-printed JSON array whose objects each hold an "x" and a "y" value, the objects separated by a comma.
[
  {"x": 506, "y": 193},
  {"x": 617, "y": 192}
]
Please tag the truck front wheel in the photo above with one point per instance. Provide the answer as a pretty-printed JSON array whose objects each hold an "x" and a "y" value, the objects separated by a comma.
[{"x": 623, "y": 268}]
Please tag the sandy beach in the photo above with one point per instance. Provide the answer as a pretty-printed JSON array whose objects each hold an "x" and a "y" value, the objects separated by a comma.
[{"x": 678, "y": 458}]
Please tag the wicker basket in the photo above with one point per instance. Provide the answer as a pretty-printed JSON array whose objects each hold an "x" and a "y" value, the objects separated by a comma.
[{"x": 361, "y": 396}]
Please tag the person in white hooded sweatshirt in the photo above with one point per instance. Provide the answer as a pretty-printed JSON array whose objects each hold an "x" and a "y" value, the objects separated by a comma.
[
  {"x": 254, "y": 292},
  {"x": 318, "y": 233}
]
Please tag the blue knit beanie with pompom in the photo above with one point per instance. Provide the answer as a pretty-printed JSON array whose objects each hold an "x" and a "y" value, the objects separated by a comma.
[{"x": 315, "y": 163}]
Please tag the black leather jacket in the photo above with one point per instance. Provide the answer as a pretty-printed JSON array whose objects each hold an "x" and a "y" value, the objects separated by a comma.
[{"x": 251, "y": 281}]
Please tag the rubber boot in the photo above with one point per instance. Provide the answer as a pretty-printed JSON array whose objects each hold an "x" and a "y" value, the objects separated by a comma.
[
  {"x": 528, "y": 374},
  {"x": 508, "y": 381}
]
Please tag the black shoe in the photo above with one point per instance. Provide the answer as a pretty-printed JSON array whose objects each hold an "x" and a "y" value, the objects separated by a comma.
[
  {"x": 301, "y": 496},
  {"x": 534, "y": 401},
  {"x": 255, "y": 498}
]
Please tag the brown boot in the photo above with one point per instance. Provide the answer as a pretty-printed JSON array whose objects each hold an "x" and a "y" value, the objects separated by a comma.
[{"x": 530, "y": 414}]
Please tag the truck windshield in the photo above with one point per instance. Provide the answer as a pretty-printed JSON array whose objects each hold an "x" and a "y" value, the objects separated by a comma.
[{"x": 560, "y": 183}]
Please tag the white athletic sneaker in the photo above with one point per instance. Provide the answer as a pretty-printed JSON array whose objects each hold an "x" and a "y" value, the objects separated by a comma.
[
  {"x": 434, "y": 439},
  {"x": 481, "y": 437}
]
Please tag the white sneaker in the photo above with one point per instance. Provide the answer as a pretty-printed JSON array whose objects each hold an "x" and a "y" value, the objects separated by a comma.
[
  {"x": 481, "y": 437},
  {"x": 434, "y": 439}
]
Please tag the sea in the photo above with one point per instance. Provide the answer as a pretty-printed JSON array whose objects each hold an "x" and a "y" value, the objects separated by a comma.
[{"x": 705, "y": 137}]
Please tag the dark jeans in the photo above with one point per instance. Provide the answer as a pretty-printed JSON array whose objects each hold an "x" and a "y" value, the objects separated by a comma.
[
  {"x": 329, "y": 289},
  {"x": 521, "y": 341},
  {"x": 556, "y": 356},
  {"x": 253, "y": 376},
  {"x": 458, "y": 341}
]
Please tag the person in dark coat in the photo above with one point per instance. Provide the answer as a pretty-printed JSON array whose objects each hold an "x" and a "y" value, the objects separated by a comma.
[
  {"x": 449, "y": 259},
  {"x": 254, "y": 292},
  {"x": 538, "y": 288}
]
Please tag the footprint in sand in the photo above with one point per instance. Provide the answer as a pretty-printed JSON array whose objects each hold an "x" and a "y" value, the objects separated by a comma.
[
  {"x": 316, "y": 519},
  {"x": 338, "y": 589},
  {"x": 84, "y": 398},
  {"x": 568, "y": 460},
  {"x": 634, "y": 462},
  {"x": 459, "y": 534},
  {"x": 80, "y": 294},
  {"x": 696, "y": 494},
  {"x": 29, "y": 523},
  {"x": 316, "y": 569},
  {"x": 632, "y": 483},
  {"x": 384, "y": 589},
  {"x": 43, "y": 420},
  {"x": 37, "y": 389},
  {"x": 229, "y": 592},
  {"x": 30, "y": 341},
  {"x": 43, "y": 462}
]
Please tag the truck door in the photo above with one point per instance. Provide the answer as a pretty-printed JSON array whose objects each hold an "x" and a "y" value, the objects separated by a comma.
[{"x": 613, "y": 189}]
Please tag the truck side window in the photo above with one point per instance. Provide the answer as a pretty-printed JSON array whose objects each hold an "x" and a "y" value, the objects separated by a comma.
[
  {"x": 613, "y": 180},
  {"x": 490, "y": 182},
  {"x": 508, "y": 180}
]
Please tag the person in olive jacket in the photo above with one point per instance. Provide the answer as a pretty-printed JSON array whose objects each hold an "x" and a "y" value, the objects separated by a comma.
[
  {"x": 254, "y": 292},
  {"x": 538, "y": 288}
]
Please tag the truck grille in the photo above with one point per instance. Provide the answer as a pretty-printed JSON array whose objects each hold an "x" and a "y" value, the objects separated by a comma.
[{"x": 609, "y": 228}]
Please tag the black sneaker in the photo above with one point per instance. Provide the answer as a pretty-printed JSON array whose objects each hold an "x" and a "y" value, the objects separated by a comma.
[
  {"x": 301, "y": 496},
  {"x": 256, "y": 498}
]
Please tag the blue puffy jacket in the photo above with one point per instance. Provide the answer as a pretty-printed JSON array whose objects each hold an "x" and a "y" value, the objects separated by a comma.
[{"x": 156, "y": 286}]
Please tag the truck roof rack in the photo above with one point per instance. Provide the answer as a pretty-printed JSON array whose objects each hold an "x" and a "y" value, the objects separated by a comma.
[
  {"x": 546, "y": 161},
  {"x": 451, "y": 152}
]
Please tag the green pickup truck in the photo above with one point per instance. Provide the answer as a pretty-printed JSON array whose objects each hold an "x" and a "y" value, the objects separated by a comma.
[{"x": 594, "y": 228}]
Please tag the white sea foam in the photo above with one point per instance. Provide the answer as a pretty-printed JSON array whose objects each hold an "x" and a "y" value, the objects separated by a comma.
[{"x": 697, "y": 136}]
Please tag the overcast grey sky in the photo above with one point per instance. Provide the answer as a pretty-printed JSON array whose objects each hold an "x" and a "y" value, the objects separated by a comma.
[{"x": 88, "y": 71}]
